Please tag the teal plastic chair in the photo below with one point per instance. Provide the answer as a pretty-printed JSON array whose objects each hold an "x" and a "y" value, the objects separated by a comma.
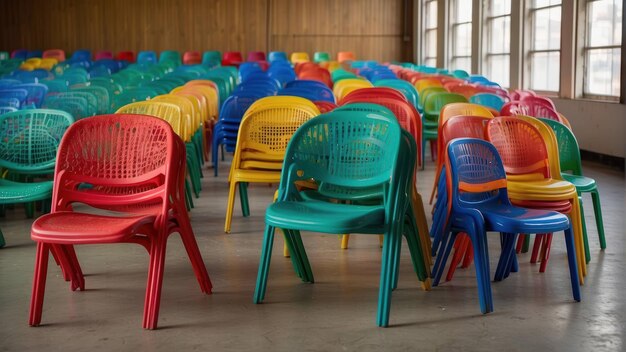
[
  {"x": 171, "y": 56},
  {"x": 403, "y": 86},
  {"x": 343, "y": 152},
  {"x": 340, "y": 73},
  {"x": 132, "y": 95},
  {"x": 74, "y": 103},
  {"x": 571, "y": 167},
  {"x": 212, "y": 58},
  {"x": 28, "y": 146},
  {"x": 102, "y": 101},
  {"x": 489, "y": 100},
  {"x": 321, "y": 56}
]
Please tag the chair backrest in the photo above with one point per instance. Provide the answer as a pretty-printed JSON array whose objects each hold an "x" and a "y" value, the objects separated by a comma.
[
  {"x": 128, "y": 56},
  {"x": 169, "y": 112},
  {"x": 374, "y": 92},
  {"x": 124, "y": 158},
  {"x": 489, "y": 100},
  {"x": 405, "y": 87},
  {"x": 552, "y": 144},
  {"x": 424, "y": 83},
  {"x": 325, "y": 106},
  {"x": 232, "y": 57},
  {"x": 569, "y": 151},
  {"x": 461, "y": 126},
  {"x": 101, "y": 93},
  {"x": 104, "y": 55},
  {"x": 192, "y": 58},
  {"x": 269, "y": 123},
  {"x": 299, "y": 57},
  {"x": 147, "y": 57},
  {"x": 320, "y": 56},
  {"x": 36, "y": 93},
  {"x": 256, "y": 56},
  {"x": 54, "y": 53},
  {"x": 529, "y": 108},
  {"x": 29, "y": 138},
  {"x": 212, "y": 58},
  {"x": 277, "y": 56},
  {"x": 19, "y": 94},
  {"x": 172, "y": 56},
  {"x": 435, "y": 102},
  {"x": 344, "y": 148},
  {"x": 476, "y": 173},
  {"x": 313, "y": 94},
  {"x": 520, "y": 144},
  {"x": 345, "y": 86},
  {"x": 466, "y": 90},
  {"x": 132, "y": 95},
  {"x": 345, "y": 56}
]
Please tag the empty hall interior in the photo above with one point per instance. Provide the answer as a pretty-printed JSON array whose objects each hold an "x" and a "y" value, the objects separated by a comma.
[{"x": 354, "y": 175}]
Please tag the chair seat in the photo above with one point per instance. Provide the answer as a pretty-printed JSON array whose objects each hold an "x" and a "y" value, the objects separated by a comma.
[
  {"x": 546, "y": 186},
  {"x": 256, "y": 155},
  {"x": 241, "y": 175},
  {"x": 563, "y": 207},
  {"x": 325, "y": 217},
  {"x": 18, "y": 192},
  {"x": 582, "y": 183},
  {"x": 261, "y": 164},
  {"x": 68, "y": 227},
  {"x": 503, "y": 218}
]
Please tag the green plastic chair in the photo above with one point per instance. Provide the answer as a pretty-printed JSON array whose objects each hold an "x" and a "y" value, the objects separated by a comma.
[
  {"x": 403, "y": 86},
  {"x": 102, "y": 101},
  {"x": 77, "y": 104},
  {"x": 28, "y": 146},
  {"x": 433, "y": 103},
  {"x": 321, "y": 56},
  {"x": 426, "y": 92},
  {"x": 55, "y": 85},
  {"x": 212, "y": 58},
  {"x": 571, "y": 170},
  {"x": 340, "y": 73},
  {"x": 132, "y": 95},
  {"x": 330, "y": 149}
]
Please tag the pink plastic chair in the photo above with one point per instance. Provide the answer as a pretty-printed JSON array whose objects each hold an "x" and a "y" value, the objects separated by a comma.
[
  {"x": 104, "y": 55},
  {"x": 54, "y": 54},
  {"x": 134, "y": 164}
]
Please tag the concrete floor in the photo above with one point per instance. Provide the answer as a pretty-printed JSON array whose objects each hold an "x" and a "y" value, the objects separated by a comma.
[{"x": 533, "y": 311}]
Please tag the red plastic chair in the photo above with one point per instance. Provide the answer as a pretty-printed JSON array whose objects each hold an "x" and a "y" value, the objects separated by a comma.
[
  {"x": 345, "y": 56},
  {"x": 192, "y": 58},
  {"x": 405, "y": 112},
  {"x": 521, "y": 94},
  {"x": 54, "y": 54},
  {"x": 374, "y": 92},
  {"x": 134, "y": 164},
  {"x": 232, "y": 58},
  {"x": 256, "y": 56},
  {"x": 547, "y": 102},
  {"x": 324, "y": 106},
  {"x": 104, "y": 55},
  {"x": 530, "y": 108},
  {"x": 126, "y": 56},
  {"x": 319, "y": 74}
]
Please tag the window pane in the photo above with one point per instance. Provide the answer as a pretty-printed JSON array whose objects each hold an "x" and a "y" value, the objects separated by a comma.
[
  {"x": 542, "y": 3},
  {"x": 462, "y": 11},
  {"x": 462, "y": 39},
  {"x": 604, "y": 23},
  {"x": 430, "y": 43},
  {"x": 498, "y": 8},
  {"x": 546, "y": 29},
  {"x": 462, "y": 63},
  {"x": 499, "y": 35},
  {"x": 431, "y": 14},
  {"x": 602, "y": 76},
  {"x": 497, "y": 69},
  {"x": 544, "y": 69},
  {"x": 432, "y": 62}
]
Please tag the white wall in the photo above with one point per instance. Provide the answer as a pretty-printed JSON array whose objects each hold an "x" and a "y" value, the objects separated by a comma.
[{"x": 599, "y": 127}]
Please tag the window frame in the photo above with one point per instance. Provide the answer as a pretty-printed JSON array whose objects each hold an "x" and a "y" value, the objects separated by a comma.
[{"x": 529, "y": 52}]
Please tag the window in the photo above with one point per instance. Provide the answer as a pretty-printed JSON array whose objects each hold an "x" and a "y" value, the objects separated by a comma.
[
  {"x": 602, "y": 51},
  {"x": 461, "y": 35},
  {"x": 497, "y": 38},
  {"x": 429, "y": 25},
  {"x": 545, "y": 45}
]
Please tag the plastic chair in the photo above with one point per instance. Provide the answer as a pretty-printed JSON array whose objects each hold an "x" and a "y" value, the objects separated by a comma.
[
  {"x": 171, "y": 56},
  {"x": 28, "y": 147},
  {"x": 373, "y": 92},
  {"x": 147, "y": 57},
  {"x": 277, "y": 56},
  {"x": 529, "y": 108},
  {"x": 36, "y": 94},
  {"x": 150, "y": 186},
  {"x": 404, "y": 87},
  {"x": 478, "y": 203},
  {"x": 312, "y": 155},
  {"x": 321, "y": 56},
  {"x": 262, "y": 139},
  {"x": 530, "y": 155},
  {"x": 297, "y": 57},
  {"x": 256, "y": 56},
  {"x": 104, "y": 55},
  {"x": 4, "y": 55},
  {"x": 424, "y": 83},
  {"x": 55, "y": 54},
  {"x": 571, "y": 170},
  {"x": 490, "y": 100},
  {"x": 192, "y": 58},
  {"x": 232, "y": 58},
  {"x": 128, "y": 56},
  {"x": 433, "y": 104},
  {"x": 345, "y": 86},
  {"x": 19, "y": 54},
  {"x": 345, "y": 56}
]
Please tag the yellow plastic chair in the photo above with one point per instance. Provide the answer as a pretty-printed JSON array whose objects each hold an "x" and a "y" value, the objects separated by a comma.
[
  {"x": 330, "y": 65},
  {"x": 189, "y": 115},
  {"x": 264, "y": 133},
  {"x": 424, "y": 83},
  {"x": 345, "y": 86},
  {"x": 48, "y": 63},
  {"x": 27, "y": 67},
  {"x": 299, "y": 57},
  {"x": 533, "y": 186},
  {"x": 171, "y": 113},
  {"x": 35, "y": 61},
  {"x": 447, "y": 112}
]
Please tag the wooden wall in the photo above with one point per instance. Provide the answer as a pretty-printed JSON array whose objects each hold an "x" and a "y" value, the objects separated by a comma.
[{"x": 373, "y": 29}]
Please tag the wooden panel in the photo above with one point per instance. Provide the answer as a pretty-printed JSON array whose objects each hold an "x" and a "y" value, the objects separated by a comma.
[{"x": 373, "y": 29}]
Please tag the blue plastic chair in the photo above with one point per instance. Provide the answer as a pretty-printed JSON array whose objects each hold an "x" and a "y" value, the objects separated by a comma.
[
  {"x": 313, "y": 94},
  {"x": 147, "y": 57},
  {"x": 479, "y": 202},
  {"x": 277, "y": 56},
  {"x": 489, "y": 100},
  {"x": 19, "y": 94},
  {"x": 36, "y": 93}
]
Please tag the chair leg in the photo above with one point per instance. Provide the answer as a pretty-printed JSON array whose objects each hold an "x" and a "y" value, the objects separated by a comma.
[
  {"x": 520, "y": 243},
  {"x": 304, "y": 259},
  {"x": 508, "y": 251},
  {"x": 460, "y": 246},
  {"x": 387, "y": 265},
  {"x": 469, "y": 256},
  {"x": 481, "y": 263},
  {"x": 447, "y": 243},
  {"x": 231, "y": 204},
  {"x": 296, "y": 261},
  {"x": 78, "y": 282},
  {"x": 243, "y": 198},
  {"x": 344, "y": 241},
  {"x": 264, "y": 264},
  {"x": 195, "y": 257},
  {"x": 155, "y": 282},
  {"x": 526, "y": 244},
  {"x": 571, "y": 259},
  {"x": 39, "y": 283},
  {"x": 536, "y": 247},
  {"x": 545, "y": 255},
  {"x": 597, "y": 209},
  {"x": 584, "y": 223},
  {"x": 2, "y": 241}
]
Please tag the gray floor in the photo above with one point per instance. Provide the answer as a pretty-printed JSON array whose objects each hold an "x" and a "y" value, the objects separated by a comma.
[{"x": 533, "y": 311}]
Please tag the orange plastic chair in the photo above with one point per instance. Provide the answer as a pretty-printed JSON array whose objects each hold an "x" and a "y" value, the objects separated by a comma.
[
  {"x": 54, "y": 54},
  {"x": 192, "y": 58},
  {"x": 343, "y": 56},
  {"x": 134, "y": 164}
]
